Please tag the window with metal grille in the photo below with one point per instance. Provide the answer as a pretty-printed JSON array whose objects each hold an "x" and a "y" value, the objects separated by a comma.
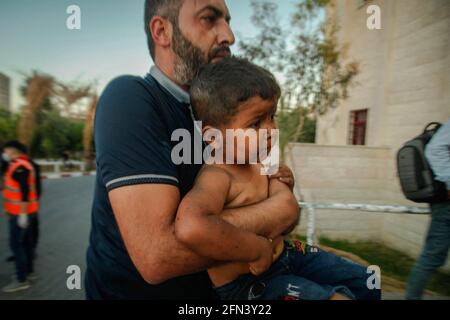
[{"x": 358, "y": 127}]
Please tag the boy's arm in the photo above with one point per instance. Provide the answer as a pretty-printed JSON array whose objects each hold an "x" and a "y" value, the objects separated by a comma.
[
  {"x": 199, "y": 226},
  {"x": 276, "y": 216}
]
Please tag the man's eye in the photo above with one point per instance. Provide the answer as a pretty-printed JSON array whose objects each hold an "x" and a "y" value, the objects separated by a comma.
[{"x": 209, "y": 19}]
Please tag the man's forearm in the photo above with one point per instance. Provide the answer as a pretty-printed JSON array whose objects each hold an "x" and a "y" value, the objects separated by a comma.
[
  {"x": 174, "y": 258},
  {"x": 270, "y": 218},
  {"x": 211, "y": 236}
]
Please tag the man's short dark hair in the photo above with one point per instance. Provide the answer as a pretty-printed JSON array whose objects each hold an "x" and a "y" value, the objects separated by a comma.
[
  {"x": 220, "y": 88},
  {"x": 14, "y": 144},
  {"x": 168, "y": 9}
]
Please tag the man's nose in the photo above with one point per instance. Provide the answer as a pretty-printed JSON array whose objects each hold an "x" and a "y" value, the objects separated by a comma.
[{"x": 225, "y": 34}]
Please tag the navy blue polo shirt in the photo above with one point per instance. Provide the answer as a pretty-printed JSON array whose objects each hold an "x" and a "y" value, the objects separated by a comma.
[{"x": 134, "y": 122}]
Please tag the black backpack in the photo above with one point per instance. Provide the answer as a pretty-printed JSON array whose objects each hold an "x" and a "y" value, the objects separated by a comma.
[{"x": 416, "y": 176}]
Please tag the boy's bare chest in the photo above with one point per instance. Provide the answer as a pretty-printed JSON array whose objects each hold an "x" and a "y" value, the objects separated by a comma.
[{"x": 247, "y": 190}]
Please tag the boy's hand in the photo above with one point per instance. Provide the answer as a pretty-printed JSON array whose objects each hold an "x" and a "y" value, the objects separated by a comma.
[
  {"x": 285, "y": 175},
  {"x": 277, "y": 247},
  {"x": 265, "y": 256}
]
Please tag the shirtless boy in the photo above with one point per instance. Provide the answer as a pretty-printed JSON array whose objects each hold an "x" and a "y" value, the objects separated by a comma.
[{"x": 236, "y": 94}]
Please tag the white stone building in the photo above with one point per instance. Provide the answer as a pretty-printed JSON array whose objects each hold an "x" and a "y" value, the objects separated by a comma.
[{"x": 404, "y": 84}]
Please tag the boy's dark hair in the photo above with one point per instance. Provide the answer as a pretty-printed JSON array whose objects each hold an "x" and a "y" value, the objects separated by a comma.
[
  {"x": 168, "y": 9},
  {"x": 19, "y": 146},
  {"x": 219, "y": 89}
]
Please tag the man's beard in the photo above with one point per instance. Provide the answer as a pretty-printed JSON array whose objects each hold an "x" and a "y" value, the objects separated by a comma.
[{"x": 189, "y": 58}]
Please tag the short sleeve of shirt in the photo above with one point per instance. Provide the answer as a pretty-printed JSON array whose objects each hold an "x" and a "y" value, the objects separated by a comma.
[{"x": 132, "y": 141}]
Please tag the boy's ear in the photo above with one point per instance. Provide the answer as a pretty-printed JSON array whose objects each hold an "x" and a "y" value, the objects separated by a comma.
[
  {"x": 212, "y": 136},
  {"x": 207, "y": 139},
  {"x": 206, "y": 128}
]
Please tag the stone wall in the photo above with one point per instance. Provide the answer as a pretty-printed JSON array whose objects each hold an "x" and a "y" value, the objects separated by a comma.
[{"x": 354, "y": 174}]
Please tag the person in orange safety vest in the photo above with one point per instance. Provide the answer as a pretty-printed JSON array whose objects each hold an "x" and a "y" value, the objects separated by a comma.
[{"x": 21, "y": 204}]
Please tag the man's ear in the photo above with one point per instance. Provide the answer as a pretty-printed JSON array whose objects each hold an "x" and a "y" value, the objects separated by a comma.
[{"x": 161, "y": 30}]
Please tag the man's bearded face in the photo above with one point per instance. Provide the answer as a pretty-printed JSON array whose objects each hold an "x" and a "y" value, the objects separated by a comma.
[{"x": 189, "y": 58}]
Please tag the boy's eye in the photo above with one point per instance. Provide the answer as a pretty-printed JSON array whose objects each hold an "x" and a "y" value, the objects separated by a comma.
[{"x": 256, "y": 124}]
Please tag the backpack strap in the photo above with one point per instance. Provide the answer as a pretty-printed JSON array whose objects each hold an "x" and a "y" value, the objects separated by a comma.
[{"x": 433, "y": 126}]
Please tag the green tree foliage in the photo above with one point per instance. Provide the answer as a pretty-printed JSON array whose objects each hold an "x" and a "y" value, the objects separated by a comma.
[
  {"x": 53, "y": 133},
  {"x": 8, "y": 126},
  {"x": 288, "y": 121},
  {"x": 56, "y": 134},
  {"x": 305, "y": 58}
]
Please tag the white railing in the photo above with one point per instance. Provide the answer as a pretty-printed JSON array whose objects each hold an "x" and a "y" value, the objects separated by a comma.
[
  {"x": 58, "y": 164},
  {"x": 311, "y": 212}
]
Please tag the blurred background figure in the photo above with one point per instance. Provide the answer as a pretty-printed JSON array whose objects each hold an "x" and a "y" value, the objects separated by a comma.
[
  {"x": 435, "y": 251},
  {"x": 35, "y": 217},
  {"x": 21, "y": 189},
  {"x": 67, "y": 165}
]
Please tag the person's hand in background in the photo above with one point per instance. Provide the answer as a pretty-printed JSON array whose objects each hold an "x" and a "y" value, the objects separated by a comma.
[{"x": 22, "y": 221}]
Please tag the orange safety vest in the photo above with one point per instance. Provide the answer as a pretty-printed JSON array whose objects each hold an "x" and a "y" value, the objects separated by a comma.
[{"x": 12, "y": 195}]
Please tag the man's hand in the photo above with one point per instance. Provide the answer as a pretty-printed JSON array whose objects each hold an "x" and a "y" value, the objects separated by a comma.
[
  {"x": 285, "y": 175},
  {"x": 22, "y": 221},
  {"x": 265, "y": 256}
]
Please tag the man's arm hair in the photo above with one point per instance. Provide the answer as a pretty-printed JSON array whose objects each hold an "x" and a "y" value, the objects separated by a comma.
[
  {"x": 199, "y": 226},
  {"x": 146, "y": 218}
]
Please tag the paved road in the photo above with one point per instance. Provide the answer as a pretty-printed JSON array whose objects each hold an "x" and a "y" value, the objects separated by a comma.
[{"x": 65, "y": 224}]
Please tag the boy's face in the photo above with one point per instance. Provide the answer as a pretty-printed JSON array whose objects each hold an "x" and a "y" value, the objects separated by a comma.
[{"x": 251, "y": 127}]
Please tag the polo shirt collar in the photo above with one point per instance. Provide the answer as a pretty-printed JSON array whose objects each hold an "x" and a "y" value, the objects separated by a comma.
[{"x": 179, "y": 94}]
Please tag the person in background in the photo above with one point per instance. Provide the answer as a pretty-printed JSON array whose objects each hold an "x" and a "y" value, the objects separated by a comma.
[
  {"x": 435, "y": 251},
  {"x": 34, "y": 222},
  {"x": 21, "y": 204}
]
